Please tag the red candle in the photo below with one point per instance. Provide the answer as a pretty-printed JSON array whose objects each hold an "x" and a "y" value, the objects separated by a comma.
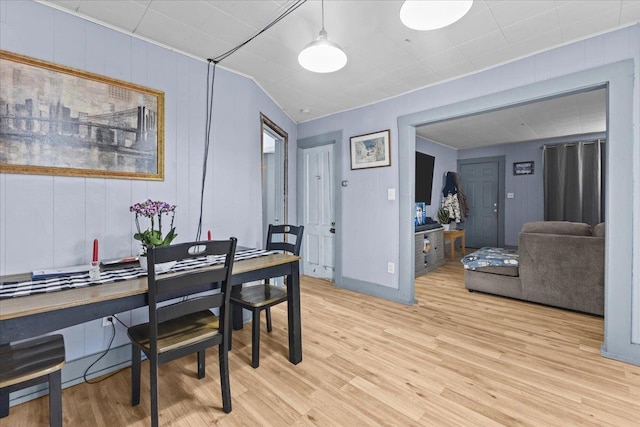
[
  {"x": 95, "y": 250},
  {"x": 209, "y": 235}
]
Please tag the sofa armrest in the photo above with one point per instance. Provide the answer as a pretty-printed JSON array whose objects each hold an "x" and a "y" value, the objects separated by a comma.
[{"x": 563, "y": 270}]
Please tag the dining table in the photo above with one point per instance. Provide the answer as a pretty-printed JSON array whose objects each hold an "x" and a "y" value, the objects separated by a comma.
[{"x": 24, "y": 317}]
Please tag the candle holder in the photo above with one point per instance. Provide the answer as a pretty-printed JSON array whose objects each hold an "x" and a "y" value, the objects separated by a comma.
[{"x": 94, "y": 271}]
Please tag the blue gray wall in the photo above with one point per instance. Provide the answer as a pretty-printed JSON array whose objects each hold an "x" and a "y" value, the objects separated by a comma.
[
  {"x": 527, "y": 204},
  {"x": 445, "y": 161},
  {"x": 50, "y": 221},
  {"x": 383, "y": 235},
  {"x": 63, "y": 214}
]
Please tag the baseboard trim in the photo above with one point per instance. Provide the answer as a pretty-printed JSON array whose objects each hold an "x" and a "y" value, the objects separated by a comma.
[
  {"x": 375, "y": 290},
  {"x": 618, "y": 357}
]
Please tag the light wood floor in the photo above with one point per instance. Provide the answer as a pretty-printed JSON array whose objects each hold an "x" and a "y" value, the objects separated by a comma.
[{"x": 453, "y": 359}]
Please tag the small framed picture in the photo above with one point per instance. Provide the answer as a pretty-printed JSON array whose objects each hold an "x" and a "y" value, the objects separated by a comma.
[
  {"x": 523, "y": 168},
  {"x": 370, "y": 150}
]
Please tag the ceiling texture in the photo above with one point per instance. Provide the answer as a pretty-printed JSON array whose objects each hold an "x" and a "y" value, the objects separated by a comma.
[
  {"x": 385, "y": 58},
  {"x": 575, "y": 114}
]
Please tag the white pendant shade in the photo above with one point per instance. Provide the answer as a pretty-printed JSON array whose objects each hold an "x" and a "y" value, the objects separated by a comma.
[
  {"x": 432, "y": 14},
  {"x": 322, "y": 55}
]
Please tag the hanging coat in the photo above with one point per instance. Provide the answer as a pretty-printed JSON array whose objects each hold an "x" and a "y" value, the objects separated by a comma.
[
  {"x": 462, "y": 198},
  {"x": 450, "y": 197}
]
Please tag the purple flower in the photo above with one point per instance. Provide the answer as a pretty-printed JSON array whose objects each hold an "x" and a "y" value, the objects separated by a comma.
[{"x": 152, "y": 209}]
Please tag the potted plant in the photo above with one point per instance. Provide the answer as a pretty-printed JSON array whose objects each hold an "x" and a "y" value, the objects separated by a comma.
[
  {"x": 443, "y": 217},
  {"x": 152, "y": 236}
]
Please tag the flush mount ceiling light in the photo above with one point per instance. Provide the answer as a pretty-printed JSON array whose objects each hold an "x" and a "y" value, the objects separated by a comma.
[
  {"x": 322, "y": 55},
  {"x": 432, "y": 14}
]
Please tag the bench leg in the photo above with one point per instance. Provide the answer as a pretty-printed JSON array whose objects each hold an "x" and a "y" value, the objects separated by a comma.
[
  {"x": 55, "y": 399},
  {"x": 4, "y": 402}
]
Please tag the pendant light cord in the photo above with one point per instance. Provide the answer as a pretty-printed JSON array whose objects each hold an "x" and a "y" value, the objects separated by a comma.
[
  {"x": 211, "y": 78},
  {"x": 296, "y": 4}
]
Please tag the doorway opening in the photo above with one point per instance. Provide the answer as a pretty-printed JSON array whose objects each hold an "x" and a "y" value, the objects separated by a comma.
[
  {"x": 273, "y": 149},
  {"x": 618, "y": 78}
]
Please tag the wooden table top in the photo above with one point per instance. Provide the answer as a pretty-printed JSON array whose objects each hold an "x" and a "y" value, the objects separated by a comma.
[
  {"x": 40, "y": 303},
  {"x": 454, "y": 233}
]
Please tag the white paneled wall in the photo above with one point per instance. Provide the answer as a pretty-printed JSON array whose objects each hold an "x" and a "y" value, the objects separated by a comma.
[{"x": 51, "y": 221}]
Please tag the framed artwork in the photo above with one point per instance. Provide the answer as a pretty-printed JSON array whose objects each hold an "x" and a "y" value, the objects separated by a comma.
[
  {"x": 56, "y": 120},
  {"x": 523, "y": 168},
  {"x": 371, "y": 150}
]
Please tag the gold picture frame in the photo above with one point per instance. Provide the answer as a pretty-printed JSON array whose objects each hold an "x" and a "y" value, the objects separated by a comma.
[{"x": 57, "y": 120}]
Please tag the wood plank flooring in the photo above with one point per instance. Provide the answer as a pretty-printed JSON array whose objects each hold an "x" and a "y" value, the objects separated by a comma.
[{"x": 453, "y": 359}]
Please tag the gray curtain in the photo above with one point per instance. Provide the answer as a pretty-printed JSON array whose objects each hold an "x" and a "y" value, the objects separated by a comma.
[{"x": 573, "y": 182}]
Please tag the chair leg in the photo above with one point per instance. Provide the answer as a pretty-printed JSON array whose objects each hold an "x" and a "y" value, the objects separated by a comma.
[
  {"x": 223, "y": 362},
  {"x": 135, "y": 375},
  {"x": 153, "y": 381},
  {"x": 255, "y": 339},
  {"x": 55, "y": 399},
  {"x": 4, "y": 402},
  {"x": 201, "y": 363},
  {"x": 268, "y": 311}
]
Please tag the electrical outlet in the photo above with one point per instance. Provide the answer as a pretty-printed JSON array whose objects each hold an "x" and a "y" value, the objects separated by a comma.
[
  {"x": 107, "y": 321},
  {"x": 391, "y": 267}
]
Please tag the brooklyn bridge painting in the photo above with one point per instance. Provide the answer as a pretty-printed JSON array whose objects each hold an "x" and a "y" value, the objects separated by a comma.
[{"x": 57, "y": 120}]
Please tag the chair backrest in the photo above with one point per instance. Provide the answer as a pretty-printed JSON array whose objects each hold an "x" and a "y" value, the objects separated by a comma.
[
  {"x": 285, "y": 237},
  {"x": 167, "y": 286}
]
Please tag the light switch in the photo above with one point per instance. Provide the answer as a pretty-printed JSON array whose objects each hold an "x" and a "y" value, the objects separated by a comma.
[
  {"x": 391, "y": 194},
  {"x": 511, "y": 196}
]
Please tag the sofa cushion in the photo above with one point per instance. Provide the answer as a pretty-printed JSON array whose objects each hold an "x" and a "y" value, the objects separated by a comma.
[
  {"x": 598, "y": 230},
  {"x": 557, "y": 227}
]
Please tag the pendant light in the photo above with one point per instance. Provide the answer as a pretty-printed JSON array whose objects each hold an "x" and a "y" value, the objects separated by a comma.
[
  {"x": 432, "y": 14},
  {"x": 322, "y": 55}
]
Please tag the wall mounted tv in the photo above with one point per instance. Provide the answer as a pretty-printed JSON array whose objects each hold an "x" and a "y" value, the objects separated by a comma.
[{"x": 424, "y": 177}]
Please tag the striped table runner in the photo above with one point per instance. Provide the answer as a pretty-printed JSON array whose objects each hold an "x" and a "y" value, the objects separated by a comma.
[{"x": 53, "y": 284}]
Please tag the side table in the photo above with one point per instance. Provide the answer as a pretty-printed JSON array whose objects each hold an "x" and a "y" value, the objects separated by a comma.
[{"x": 452, "y": 235}]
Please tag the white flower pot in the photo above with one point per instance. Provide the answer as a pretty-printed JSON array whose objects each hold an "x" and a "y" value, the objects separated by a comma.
[
  {"x": 446, "y": 227},
  {"x": 160, "y": 268}
]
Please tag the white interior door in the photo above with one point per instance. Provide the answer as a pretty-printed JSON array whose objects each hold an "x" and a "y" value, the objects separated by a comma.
[{"x": 319, "y": 213}]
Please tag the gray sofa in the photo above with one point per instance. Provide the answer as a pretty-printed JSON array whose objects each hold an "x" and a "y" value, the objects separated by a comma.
[{"x": 560, "y": 264}]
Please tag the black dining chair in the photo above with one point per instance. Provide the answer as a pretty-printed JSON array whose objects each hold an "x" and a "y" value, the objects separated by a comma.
[
  {"x": 256, "y": 298},
  {"x": 185, "y": 325},
  {"x": 32, "y": 362}
]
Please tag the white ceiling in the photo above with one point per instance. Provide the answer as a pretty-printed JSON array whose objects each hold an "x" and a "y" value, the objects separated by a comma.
[
  {"x": 386, "y": 59},
  {"x": 574, "y": 114}
]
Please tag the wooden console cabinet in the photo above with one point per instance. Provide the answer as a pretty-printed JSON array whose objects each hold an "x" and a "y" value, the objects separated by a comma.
[{"x": 429, "y": 250}]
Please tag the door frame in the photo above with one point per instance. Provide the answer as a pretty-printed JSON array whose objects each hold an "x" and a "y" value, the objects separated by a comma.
[
  {"x": 266, "y": 123},
  {"x": 501, "y": 190},
  {"x": 334, "y": 138},
  {"x": 621, "y": 337}
]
